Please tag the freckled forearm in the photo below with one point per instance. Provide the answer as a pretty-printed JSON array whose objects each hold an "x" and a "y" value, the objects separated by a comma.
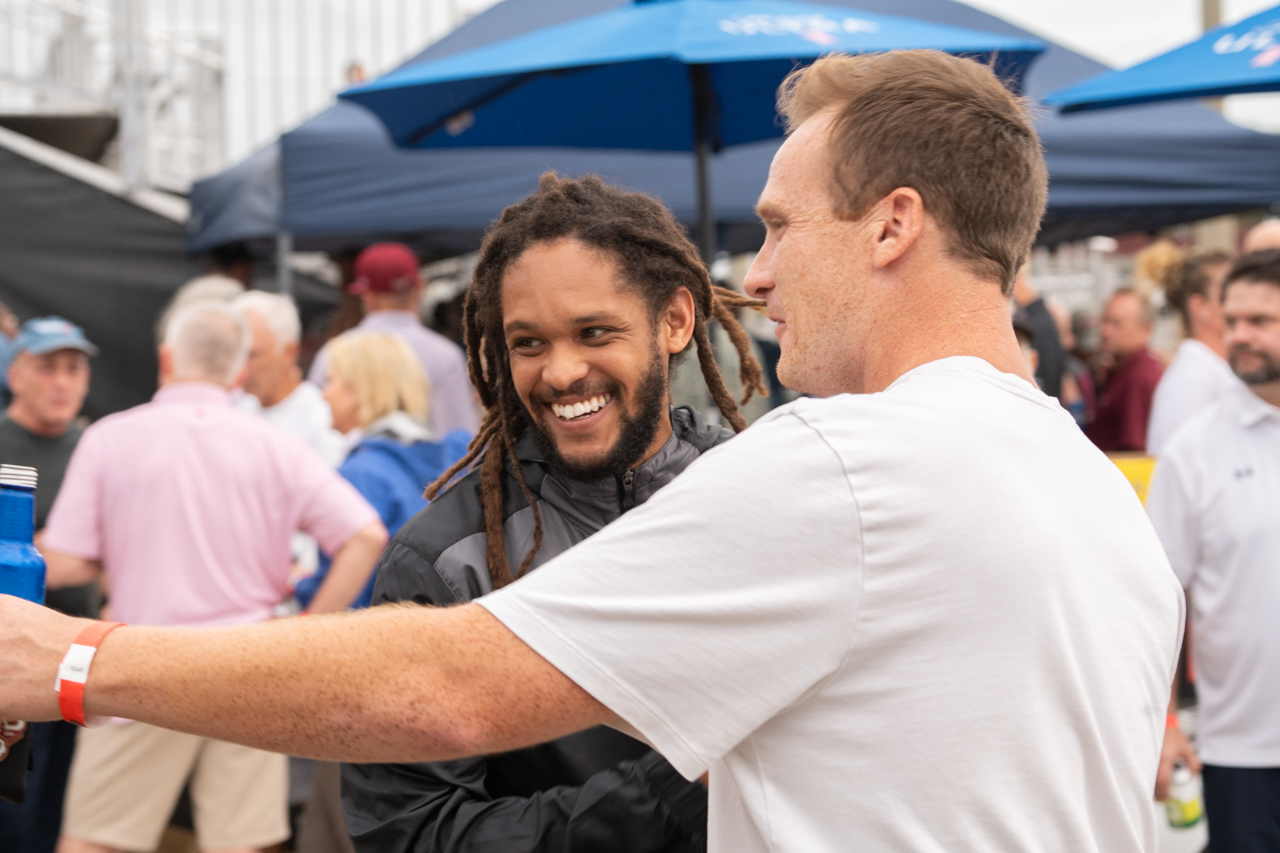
[
  {"x": 289, "y": 686},
  {"x": 393, "y": 684}
]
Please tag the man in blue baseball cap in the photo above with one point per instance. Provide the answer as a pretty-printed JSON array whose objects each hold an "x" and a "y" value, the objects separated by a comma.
[{"x": 49, "y": 378}]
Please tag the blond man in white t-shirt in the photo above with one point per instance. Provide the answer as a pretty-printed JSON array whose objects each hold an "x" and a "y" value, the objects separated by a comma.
[{"x": 873, "y": 619}]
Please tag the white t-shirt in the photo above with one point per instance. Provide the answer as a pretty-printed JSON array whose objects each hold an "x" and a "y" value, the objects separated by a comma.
[
  {"x": 1215, "y": 502},
  {"x": 306, "y": 414},
  {"x": 933, "y": 618},
  {"x": 1196, "y": 379}
]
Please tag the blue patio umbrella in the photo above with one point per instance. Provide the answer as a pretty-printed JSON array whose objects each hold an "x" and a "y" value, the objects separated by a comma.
[
  {"x": 1232, "y": 60},
  {"x": 665, "y": 75}
]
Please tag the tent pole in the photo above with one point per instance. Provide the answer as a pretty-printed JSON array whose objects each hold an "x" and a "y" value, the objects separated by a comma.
[
  {"x": 700, "y": 78},
  {"x": 284, "y": 272}
]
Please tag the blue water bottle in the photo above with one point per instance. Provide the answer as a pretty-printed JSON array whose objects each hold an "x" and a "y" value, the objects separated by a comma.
[{"x": 21, "y": 575}]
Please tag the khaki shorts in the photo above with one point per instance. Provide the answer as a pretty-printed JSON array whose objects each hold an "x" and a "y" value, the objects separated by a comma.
[{"x": 125, "y": 780}]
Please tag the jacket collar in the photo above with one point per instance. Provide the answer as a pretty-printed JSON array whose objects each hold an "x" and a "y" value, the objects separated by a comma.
[
  {"x": 687, "y": 424},
  {"x": 602, "y": 500}
]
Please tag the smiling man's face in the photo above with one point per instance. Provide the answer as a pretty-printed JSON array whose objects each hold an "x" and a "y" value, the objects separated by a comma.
[{"x": 588, "y": 357}]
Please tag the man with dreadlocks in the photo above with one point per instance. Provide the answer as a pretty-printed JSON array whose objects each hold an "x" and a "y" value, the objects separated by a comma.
[
  {"x": 869, "y": 618},
  {"x": 584, "y": 295}
]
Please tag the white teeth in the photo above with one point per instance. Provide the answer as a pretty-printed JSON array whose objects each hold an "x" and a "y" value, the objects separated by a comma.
[{"x": 572, "y": 411}]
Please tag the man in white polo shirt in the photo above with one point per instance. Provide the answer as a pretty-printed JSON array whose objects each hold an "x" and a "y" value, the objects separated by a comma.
[
  {"x": 871, "y": 617},
  {"x": 1215, "y": 502}
]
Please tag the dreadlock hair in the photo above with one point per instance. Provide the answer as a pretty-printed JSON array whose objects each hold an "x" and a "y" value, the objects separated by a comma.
[{"x": 655, "y": 258}]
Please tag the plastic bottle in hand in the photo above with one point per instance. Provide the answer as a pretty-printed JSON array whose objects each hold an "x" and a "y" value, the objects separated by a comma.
[
  {"x": 1185, "y": 804},
  {"x": 21, "y": 575}
]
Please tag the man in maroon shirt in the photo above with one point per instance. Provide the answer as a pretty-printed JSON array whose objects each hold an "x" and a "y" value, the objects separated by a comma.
[{"x": 1124, "y": 404}]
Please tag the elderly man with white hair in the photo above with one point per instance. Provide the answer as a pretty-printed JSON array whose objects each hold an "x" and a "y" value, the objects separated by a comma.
[
  {"x": 273, "y": 381},
  {"x": 186, "y": 505}
]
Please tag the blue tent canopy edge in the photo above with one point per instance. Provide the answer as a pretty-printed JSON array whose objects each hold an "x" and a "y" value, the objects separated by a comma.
[{"x": 341, "y": 183}]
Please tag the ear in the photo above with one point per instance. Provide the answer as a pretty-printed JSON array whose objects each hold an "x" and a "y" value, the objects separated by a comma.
[
  {"x": 291, "y": 351},
  {"x": 675, "y": 326},
  {"x": 166, "y": 363},
  {"x": 899, "y": 218},
  {"x": 9, "y": 372},
  {"x": 1196, "y": 303}
]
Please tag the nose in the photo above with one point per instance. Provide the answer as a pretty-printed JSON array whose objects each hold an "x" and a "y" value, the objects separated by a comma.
[
  {"x": 1238, "y": 334},
  {"x": 564, "y": 367},
  {"x": 759, "y": 279}
]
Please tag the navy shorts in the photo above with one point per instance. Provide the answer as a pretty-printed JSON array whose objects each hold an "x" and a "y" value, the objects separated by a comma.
[{"x": 1243, "y": 808}]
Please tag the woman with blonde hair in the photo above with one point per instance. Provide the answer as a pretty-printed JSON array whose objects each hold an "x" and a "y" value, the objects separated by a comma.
[{"x": 380, "y": 399}]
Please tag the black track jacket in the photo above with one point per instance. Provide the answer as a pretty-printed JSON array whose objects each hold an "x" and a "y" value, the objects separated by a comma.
[{"x": 597, "y": 790}]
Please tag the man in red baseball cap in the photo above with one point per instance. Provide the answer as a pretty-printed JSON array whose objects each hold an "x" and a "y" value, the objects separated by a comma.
[{"x": 390, "y": 287}]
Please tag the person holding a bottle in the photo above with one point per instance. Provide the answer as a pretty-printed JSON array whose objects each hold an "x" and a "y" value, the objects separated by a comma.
[
  {"x": 49, "y": 379},
  {"x": 1213, "y": 501}
]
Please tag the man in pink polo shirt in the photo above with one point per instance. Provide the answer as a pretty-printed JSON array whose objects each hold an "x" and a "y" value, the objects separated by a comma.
[{"x": 186, "y": 506}]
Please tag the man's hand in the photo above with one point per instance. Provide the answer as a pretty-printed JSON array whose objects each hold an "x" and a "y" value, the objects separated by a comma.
[
  {"x": 1176, "y": 749},
  {"x": 33, "y": 641}
]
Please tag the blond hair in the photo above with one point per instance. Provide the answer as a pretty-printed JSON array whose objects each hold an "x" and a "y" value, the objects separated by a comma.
[
  {"x": 1154, "y": 265},
  {"x": 384, "y": 374}
]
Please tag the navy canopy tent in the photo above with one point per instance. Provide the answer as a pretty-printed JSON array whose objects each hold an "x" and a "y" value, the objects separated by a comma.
[{"x": 344, "y": 182}]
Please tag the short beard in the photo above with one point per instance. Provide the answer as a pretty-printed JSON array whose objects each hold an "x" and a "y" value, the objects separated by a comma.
[
  {"x": 637, "y": 432},
  {"x": 1268, "y": 373}
]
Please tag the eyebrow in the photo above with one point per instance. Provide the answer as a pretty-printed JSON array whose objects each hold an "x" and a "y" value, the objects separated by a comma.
[
  {"x": 585, "y": 320},
  {"x": 594, "y": 318},
  {"x": 764, "y": 208}
]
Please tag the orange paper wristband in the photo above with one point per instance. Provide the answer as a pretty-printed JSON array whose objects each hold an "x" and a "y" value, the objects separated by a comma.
[{"x": 74, "y": 670}]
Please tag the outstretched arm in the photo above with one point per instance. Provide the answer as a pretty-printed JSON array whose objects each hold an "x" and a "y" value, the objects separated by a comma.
[{"x": 396, "y": 683}]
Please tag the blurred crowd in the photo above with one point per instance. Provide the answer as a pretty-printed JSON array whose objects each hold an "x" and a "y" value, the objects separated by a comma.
[
  {"x": 1129, "y": 391},
  {"x": 268, "y": 492},
  {"x": 241, "y": 492}
]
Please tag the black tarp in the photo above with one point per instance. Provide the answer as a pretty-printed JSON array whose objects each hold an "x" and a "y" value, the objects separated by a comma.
[{"x": 73, "y": 243}]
